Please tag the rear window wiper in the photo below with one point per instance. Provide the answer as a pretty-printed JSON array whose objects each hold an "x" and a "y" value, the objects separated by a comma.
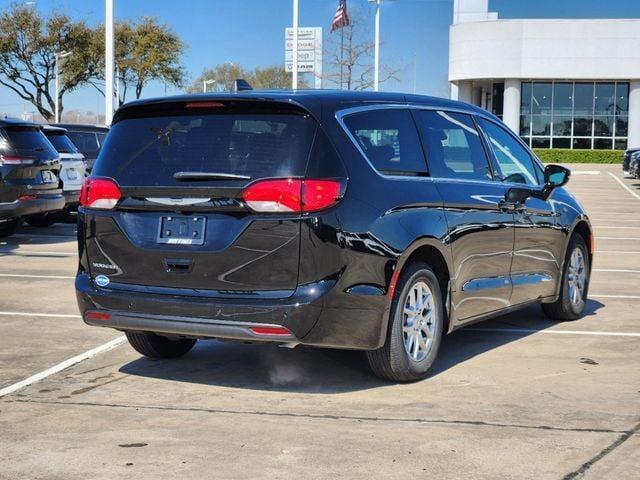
[{"x": 209, "y": 176}]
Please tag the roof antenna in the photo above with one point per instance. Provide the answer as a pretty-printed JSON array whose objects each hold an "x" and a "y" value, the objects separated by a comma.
[{"x": 241, "y": 85}]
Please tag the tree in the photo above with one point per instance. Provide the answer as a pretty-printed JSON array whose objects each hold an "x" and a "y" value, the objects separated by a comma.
[
  {"x": 225, "y": 74},
  {"x": 144, "y": 51},
  {"x": 28, "y": 44},
  {"x": 350, "y": 58}
]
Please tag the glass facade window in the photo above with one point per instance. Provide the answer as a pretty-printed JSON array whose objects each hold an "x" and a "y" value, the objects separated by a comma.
[{"x": 567, "y": 114}]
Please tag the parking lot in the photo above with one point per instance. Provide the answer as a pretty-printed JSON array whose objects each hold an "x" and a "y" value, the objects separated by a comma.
[{"x": 517, "y": 397}]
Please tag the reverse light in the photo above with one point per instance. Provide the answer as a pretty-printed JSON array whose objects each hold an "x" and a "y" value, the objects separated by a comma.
[
  {"x": 271, "y": 330},
  {"x": 100, "y": 193},
  {"x": 12, "y": 160},
  {"x": 293, "y": 195}
]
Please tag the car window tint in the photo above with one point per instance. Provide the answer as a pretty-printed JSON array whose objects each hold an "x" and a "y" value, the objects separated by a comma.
[
  {"x": 453, "y": 146},
  {"x": 28, "y": 141},
  {"x": 61, "y": 142},
  {"x": 389, "y": 140},
  {"x": 86, "y": 142},
  {"x": 148, "y": 151},
  {"x": 514, "y": 162}
]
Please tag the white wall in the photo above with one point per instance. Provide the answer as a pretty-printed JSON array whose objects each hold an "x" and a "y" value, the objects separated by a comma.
[
  {"x": 472, "y": 11},
  {"x": 545, "y": 49}
]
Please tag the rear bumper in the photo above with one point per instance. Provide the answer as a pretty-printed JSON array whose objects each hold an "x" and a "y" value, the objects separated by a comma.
[
  {"x": 318, "y": 314},
  {"x": 41, "y": 204}
]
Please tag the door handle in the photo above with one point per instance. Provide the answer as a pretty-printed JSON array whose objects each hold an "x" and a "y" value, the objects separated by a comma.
[{"x": 511, "y": 207}]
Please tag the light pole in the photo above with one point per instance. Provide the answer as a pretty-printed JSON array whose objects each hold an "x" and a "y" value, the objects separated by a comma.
[
  {"x": 205, "y": 83},
  {"x": 58, "y": 56},
  {"x": 294, "y": 62},
  {"x": 376, "y": 51},
  {"x": 109, "y": 62}
]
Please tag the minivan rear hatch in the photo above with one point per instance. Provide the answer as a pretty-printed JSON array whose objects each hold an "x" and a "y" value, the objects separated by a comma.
[{"x": 181, "y": 221}]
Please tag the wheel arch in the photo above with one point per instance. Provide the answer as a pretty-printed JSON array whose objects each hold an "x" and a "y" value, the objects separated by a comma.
[{"x": 435, "y": 254}]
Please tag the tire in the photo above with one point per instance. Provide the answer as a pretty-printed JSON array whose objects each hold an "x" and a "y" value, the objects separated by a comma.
[
  {"x": 43, "y": 220},
  {"x": 156, "y": 346},
  {"x": 569, "y": 307},
  {"x": 394, "y": 361},
  {"x": 9, "y": 227}
]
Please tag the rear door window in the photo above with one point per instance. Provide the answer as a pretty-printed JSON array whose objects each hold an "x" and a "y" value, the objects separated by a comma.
[
  {"x": 453, "y": 146},
  {"x": 26, "y": 141},
  {"x": 148, "y": 151},
  {"x": 389, "y": 140}
]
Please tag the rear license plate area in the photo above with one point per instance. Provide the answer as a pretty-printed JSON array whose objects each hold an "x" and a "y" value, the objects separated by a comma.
[
  {"x": 47, "y": 176},
  {"x": 182, "y": 230}
]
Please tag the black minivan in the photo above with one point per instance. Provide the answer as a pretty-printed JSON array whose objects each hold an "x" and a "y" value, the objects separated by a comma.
[
  {"x": 354, "y": 220},
  {"x": 29, "y": 169}
]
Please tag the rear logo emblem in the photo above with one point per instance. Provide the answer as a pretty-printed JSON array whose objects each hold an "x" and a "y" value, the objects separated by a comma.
[{"x": 102, "y": 280}]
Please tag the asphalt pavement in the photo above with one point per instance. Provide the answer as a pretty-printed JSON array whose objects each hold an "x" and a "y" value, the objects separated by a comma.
[{"x": 516, "y": 397}]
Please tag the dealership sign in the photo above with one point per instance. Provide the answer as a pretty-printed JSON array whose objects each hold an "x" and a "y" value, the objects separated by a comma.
[{"x": 309, "y": 51}]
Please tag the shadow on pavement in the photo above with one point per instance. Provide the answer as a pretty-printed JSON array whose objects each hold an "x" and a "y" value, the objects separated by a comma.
[{"x": 313, "y": 370}]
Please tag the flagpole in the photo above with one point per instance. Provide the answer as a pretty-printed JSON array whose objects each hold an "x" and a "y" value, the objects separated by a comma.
[
  {"x": 294, "y": 63},
  {"x": 341, "y": 56},
  {"x": 376, "y": 61}
]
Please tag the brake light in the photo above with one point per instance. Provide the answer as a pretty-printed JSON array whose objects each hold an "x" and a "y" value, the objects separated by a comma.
[
  {"x": 293, "y": 195},
  {"x": 101, "y": 193},
  {"x": 11, "y": 160},
  {"x": 204, "y": 105}
]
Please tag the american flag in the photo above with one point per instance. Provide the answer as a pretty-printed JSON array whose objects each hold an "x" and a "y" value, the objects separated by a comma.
[{"x": 340, "y": 19}]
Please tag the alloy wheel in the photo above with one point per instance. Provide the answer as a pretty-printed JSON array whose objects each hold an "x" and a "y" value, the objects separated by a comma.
[
  {"x": 577, "y": 276},
  {"x": 419, "y": 321}
]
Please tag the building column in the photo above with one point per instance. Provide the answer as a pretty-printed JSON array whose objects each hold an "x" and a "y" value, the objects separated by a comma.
[
  {"x": 453, "y": 91},
  {"x": 511, "y": 108},
  {"x": 465, "y": 90},
  {"x": 634, "y": 114}
]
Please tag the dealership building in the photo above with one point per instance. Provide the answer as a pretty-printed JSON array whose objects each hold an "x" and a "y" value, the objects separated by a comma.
[{"x": 558, "y": 83}]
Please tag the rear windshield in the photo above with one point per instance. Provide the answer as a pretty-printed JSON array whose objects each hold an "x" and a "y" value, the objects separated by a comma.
[
  {"x": 86, "y": 142},
  {"x": 61, "y": 142},
  {"x": 27, "y": 141},
  {"x": 149, "y": 151}
]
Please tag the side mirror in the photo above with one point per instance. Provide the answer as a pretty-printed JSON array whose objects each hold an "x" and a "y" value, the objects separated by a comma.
[{"x": 556, "y": 176}]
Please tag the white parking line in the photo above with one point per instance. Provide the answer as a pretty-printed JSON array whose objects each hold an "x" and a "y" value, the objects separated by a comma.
[
  {"x": 616, "y": 226},
  {"x": 24, "y": 253},
  {"x": 33, "y": 314},
  {"x": 62, "y": 366},
  {"x": 552, "y": 332},
  {"x": 18, "y": 275},
  {"x": 617, "y": 251},
  {"x": 615, "y": 177},
  {"x": 630, "y": 297},
  {"x": 27, "y": 235},
  {"x": 585, "y": 172},
  {"x": 619, "y": 238},
  {"x": 615, "y": 270}
]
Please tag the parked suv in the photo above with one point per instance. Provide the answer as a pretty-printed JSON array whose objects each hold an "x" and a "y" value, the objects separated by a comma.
[
  {"x": 72, "y": 174},
  {"x": 29, "y": 168},
  {"x": 368, "y": 221},
  {"x": 87, "y": 138}
]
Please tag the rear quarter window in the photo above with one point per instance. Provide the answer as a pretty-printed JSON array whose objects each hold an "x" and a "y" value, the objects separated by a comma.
[
  {"x": 148, "y": 151},
  {"x": 389, "y": 140}
]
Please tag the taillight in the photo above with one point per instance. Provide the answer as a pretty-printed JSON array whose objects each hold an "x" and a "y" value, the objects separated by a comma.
[
  {"x": 11, "y": 160},
  {"x": 293, "y": 195},
  {"x": 101, "y": 193}
]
